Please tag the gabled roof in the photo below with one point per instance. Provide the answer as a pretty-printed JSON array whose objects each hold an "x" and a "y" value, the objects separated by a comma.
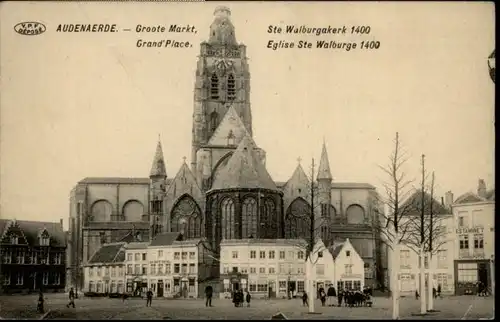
[
  {"x": 244, "y": 170},
  {"x": 33, "y": 229},
  {"x": 231, "y": 124},
  {"x": 158, "y": 166},
  {"x": 335, "y": 249},
  {"x": 165, "y": 239},
  {"x": 183, "y": 173},
  {"x": 471, "y": 197},
  {"x": 324, "y": 166},
  {"x": 299, "y": 175},
  {"x": 108, "y": 254},
  {"x": 414, "y": 202}
]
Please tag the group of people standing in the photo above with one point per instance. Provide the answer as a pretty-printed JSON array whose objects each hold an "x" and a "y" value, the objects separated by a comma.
[
  {"x": 239, "y": 298},
  {"x": 348, "y": 297}
]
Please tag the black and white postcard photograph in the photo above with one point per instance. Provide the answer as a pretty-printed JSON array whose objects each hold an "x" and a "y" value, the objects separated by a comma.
[{"x": 247, "y": 160}]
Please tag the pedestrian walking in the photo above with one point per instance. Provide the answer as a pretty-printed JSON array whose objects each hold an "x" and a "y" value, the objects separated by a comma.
[
  {"x": 208, "y": 294},
  {"x": 149, "y": 297},
  {"x": 416, "y": 295},
  {"x": 439, "y": 290},
  {"x": 40, "y": 307},
  {"x": 304, "y": 299},
  {"x": 71, "y": 298},
  {"x": 248, "y": 298}
]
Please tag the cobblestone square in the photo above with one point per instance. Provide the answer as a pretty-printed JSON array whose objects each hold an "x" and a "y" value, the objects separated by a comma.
[{"x": 466, "y": 307}]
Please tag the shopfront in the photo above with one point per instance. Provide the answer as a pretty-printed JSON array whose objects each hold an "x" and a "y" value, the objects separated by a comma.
[
  {"x": 233, "y": 282},
  {"x": 469, "y": 274}
]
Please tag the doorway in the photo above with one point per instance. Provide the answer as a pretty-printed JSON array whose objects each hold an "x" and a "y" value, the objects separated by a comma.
[
  {"x": 159, "y": 288},
  {"x": 482, "y": 274},
  {"x": 236, "y": 286},
  {"x": 272, "y": 289}
]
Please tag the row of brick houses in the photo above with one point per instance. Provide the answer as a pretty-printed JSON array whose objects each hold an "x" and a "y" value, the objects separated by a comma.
[{"x": 33, "y": 256}]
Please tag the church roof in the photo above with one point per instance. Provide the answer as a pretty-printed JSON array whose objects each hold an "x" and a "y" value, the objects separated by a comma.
[
  {"x": 231, "y": 125},
  {"x": 324, "y": 165},
  {"x": 158, "y": 167},
  {"x": 114, "y": 180},
  {"x": 244, "y": 170}
]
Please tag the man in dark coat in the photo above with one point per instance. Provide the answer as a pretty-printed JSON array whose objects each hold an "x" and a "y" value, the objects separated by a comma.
[
  {"x": 149, "y": 297},
  {"x": 71, "y": 298},
  {"x": 331, "y": 295},
  {"x": 340, "y": 295},
  {"x": 249, "y": 297},
  {"x": 208, "y": 295},
  {"x": 39, "y": 307}
]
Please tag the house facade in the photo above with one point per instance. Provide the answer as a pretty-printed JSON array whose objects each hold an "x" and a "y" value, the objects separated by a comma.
[
  {"x": 348, "y": 267},
  {"x": 178, "y": 268},
  {"x": 105, "y": 271},
  {"x": 32, "y": 256},
  {"x": 474, "y": 232}
]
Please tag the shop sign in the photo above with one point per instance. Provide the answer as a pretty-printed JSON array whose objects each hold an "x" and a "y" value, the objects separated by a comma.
[
  {"x": 350, "y": 276},
  {"x": 475, "y": 230},
  {"x": 473, "y": 256}
]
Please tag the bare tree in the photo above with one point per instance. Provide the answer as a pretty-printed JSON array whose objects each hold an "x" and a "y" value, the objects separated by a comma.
[
  {"x": 390, "y": 225},
  {"x": 427, "y": 235}
]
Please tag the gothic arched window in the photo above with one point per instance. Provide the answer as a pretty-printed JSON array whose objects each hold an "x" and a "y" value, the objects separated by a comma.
[
  {"x": 231, "y": 88},
  {"x": 214, "y": 118},
  {"x": 186, "y": 218},
  {"x": 214, "y": 87},
  {"x": 249, "y": 218},
  {"x": 228, "y": 222},
  {"x": 268, "y": 220},
  {"x": 298, "y": 218}
]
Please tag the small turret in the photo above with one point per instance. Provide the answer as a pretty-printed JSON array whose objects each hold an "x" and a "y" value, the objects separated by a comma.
[{"x": 158, "y": 176}]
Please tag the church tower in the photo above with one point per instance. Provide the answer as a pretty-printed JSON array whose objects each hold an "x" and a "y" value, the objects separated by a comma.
[
  {"x": 158, "y": 178},
  {"x": 222, "y": 83},
  {"x": 324, "y": 179}
]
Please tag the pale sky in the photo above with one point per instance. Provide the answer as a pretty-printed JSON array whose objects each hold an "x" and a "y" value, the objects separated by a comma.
[{"x": 76, "y": 105}]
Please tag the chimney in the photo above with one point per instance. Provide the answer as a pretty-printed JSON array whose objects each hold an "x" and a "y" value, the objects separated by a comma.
[
  {"x": 442, "y": 201},
  {"x": 448, "y": 199},
  {"x": 481, "y": 188},
  {"x": 61, "y": 222}
]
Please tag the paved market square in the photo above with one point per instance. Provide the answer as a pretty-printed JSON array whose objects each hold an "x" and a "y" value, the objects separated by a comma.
[{"x": 455, "y": 307}]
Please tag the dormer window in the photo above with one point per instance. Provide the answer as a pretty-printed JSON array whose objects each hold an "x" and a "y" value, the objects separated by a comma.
[
  {"x": 44, "y": 241},
  {"x": 230, "y": 138},
  {"x": 14, "y": 240},
  {"x": 347, "y": 253}
]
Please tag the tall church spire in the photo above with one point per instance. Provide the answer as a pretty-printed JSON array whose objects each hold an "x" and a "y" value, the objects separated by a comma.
[
  {"x": 324, "y": 165},
  {"x": 158, "y": 167}
]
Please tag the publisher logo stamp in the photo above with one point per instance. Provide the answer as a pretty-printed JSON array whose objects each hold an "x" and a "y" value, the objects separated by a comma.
[{"x": 30, "y": 28}]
